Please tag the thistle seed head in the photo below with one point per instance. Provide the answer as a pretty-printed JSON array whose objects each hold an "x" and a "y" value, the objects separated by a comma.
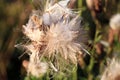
[
  {"x": 112, "y": 72},
  {"x": 115, "y": 22},
  {"x": 56, "y": 33}
]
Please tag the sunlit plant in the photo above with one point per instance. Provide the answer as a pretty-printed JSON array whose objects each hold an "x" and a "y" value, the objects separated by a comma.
[{"x": 57, "y": 38}]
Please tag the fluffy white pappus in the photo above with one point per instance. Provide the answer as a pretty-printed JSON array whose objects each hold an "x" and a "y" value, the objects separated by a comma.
[
  {"x": 64, "y": 2},
  {"x": 33, "y": 49},
  {"x": 34, "y": 29},
  {"x": 54, "y": 13},
  {"x": 57, "y": 30},
  {"x": 34, "y": 56},
  {"x": 45, "y": 4},
  {"x": 35, "y": 34},
  {"x": 112, "y": 72},
  {"x": 35, "y": 20},
  {"x": 115, "y": 22},
  {"x": 35, "y": 66},
  {"x": 37, "y": 69},
  {"x": 36, "y": 50},
  {"x": 66, "y": 38}
]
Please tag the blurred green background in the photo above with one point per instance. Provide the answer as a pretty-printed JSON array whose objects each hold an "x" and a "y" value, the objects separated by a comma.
[{"x": 15, "y": 13}]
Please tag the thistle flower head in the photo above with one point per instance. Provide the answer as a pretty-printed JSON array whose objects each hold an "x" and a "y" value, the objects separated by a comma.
[
  {"x": 57, "y": 31},
  {"x": 112, "y": 72},
  {"x": 115, "y": 22}
]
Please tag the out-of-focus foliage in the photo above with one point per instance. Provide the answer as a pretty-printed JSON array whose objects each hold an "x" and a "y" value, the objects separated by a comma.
[{"x": 15, "y": 13}]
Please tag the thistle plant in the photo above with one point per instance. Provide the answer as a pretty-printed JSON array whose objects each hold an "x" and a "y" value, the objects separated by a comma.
[{"x": 57, "y": 38}]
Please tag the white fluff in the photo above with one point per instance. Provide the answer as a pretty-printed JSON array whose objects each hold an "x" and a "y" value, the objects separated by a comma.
[
  {"x": 112, "y": 72},
  {"x": 66, "y": 38},
  {"x": 64, "y": 3},
  {"x": 55, "y": 13},
  {"x": 58, "y": 30},
  {"x": 37, "y": 69}
]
